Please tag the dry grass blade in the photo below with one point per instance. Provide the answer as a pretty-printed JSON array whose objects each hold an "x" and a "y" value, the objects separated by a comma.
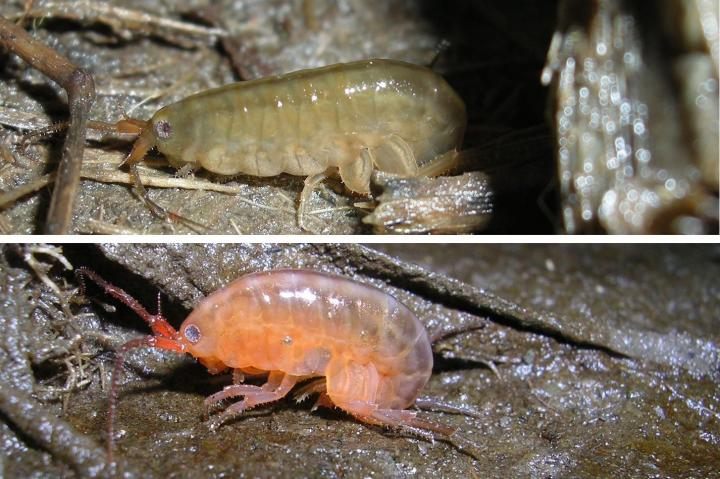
[{"x": 121, "y": 19}]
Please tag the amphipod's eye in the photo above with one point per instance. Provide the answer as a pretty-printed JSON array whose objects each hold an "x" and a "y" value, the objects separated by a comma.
[
  {"x": 192, "y": 334},
  {"x": 163, "y": 129}
]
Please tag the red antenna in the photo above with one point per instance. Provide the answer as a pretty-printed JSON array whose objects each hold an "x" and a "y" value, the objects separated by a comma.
[{"x": 165, "y": 337}]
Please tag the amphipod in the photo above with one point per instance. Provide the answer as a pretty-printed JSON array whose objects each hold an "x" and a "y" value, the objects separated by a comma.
[
  {"x": 351, "y": 118},
  {"x": 357, "y": 347}
]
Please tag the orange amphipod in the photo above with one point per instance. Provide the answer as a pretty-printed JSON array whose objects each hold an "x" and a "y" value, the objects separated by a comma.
[{"x": 368, "y": 353}]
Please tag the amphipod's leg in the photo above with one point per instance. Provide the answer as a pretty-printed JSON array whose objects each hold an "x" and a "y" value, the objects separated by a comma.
[
  {"x": 408, "y": 421},
  {"x": 315, "y": 386},
  {"x": 356, "y": 173},
  {"x": 430, "y": 404},
  {"x": 440, "y": 164},
  {"x": 394, "y": 155},
  {"x": 238, "y": 376},
  {"x": 311, "y": 183},
  {"x": 276, "y": 387},
  {"x": 397, "y": 418}
]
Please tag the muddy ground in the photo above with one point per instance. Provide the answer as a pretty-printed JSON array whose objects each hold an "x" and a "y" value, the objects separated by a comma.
[{"x": 589, "y": 361}]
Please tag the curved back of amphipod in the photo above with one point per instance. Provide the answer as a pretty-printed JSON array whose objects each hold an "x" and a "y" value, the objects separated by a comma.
[
  {"x": 397, "y": 116},
  {"x": 304, "y": 323}
]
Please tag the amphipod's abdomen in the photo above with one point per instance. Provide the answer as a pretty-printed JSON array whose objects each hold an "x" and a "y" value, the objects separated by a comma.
[
  {"x": 370, "y": 346},
  {"x": 400, "y": 115}
]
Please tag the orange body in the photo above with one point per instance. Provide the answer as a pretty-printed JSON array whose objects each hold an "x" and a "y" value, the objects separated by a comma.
[
  {"x": 367, "y": 352},
  {"x": 372, "y": 350}
]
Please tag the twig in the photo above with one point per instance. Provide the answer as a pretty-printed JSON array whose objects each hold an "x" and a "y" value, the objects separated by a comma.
[
  {"x": 52, "y": 433},
  {"x": 103, "y": 228},
  {"x": 120, "y": 19},
  {"x": 81, "y": 94},
  {"x": 10, "y": 197},
  {"x": 90, "y": 171}
]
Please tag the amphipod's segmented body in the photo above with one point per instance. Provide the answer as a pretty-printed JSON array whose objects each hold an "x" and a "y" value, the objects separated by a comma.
[
  {"x": 294, "y": 324},
  {"x": 370, "y": 354},
  {"x": 375, "y": 114}
]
